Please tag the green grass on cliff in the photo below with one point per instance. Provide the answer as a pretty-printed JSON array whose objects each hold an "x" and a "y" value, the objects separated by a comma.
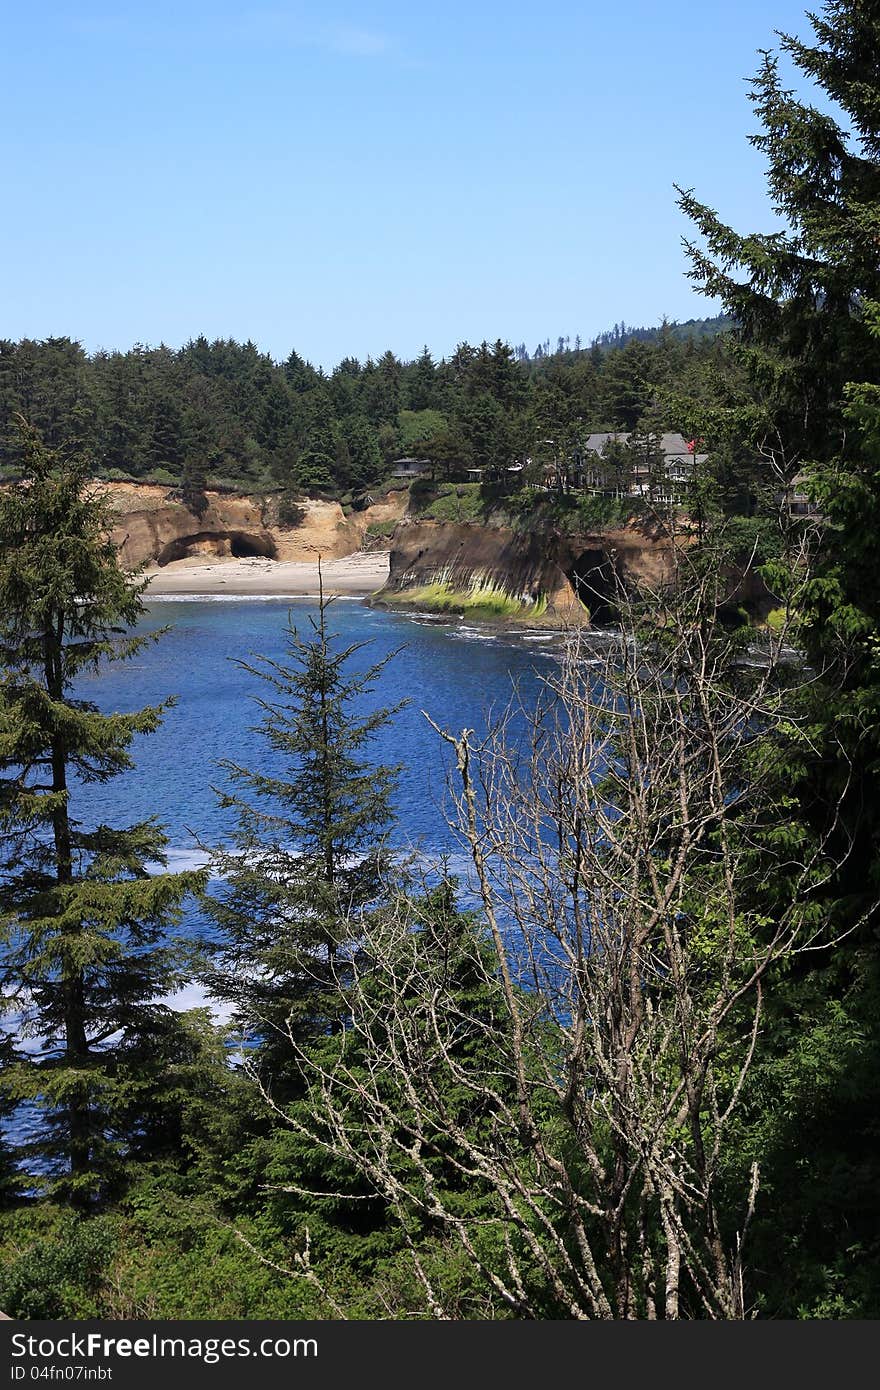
[
  {"x": 569, "y": 512},
  {"x": 448, "y": 501},
  {"x": 523, "y": 510},
  {"x": 381, "y": 530},
  {"x": 481, "y": 600}
]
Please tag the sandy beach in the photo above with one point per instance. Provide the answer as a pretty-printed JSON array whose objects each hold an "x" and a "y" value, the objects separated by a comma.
[{"x": 355, "y": 575}]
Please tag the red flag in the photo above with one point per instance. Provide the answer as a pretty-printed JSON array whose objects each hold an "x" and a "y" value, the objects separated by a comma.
[{"x": 692, "y": 444}]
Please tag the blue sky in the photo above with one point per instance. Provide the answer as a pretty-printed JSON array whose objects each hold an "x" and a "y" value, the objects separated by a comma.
[{"x": 347, "y": 178}]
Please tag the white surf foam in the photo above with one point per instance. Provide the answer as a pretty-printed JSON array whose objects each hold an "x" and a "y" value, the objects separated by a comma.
[{"x": 150, "y": 599}]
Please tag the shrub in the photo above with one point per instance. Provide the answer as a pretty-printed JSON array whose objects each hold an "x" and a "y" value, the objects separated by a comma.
[
  {"x": 54, "y": 1267},
  {"x": 380, "y": 530},
  {"x": 291, "y": 512}
]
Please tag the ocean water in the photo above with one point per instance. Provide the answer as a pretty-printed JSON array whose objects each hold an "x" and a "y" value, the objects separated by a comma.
[{"x": 459, "y": 674}]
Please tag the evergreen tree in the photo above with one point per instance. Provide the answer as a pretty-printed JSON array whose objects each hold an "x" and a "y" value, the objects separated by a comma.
[
  {"x": 365, "y": 465},
  {"x": 301, "y": 375},
  {"x": 507, "y": 382},
  {"x": 625, "y": 392},
  {"x": 308, "y": 856},
  {"x": 802, "y": 301},
  {"x": 482, "y": 423},
  {"x": 193, "y": 486},
  {"x": 648, "y": 461},
  {"x": 225, "y": 410},
  {"x": 121, "y": 427},
  {"x": 10, "y": 1180},
  {"x": 617, "y": 466},
  {"x": 85, "y": 924},
  {"x": 164, "y": 442},
  {"x": 274, "y": 414},
  {"x": 204, "y": 427},
  {"x": 421, "y": 385},
  {"x": 313, "y": 471},
  {"x": 389, "y": 369}
]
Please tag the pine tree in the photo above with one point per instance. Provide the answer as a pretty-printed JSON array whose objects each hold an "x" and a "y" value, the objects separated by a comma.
[
  {"x": 802, "y": 300},
  {"x": 645, "y": 445},
  {"x": 422, "y": 386},
  {"x": 84, "y": 923},
  {"x": 625, "y": 393},
  {"x": 193, "y": 486},
  {"x": 363, "y": 450},
  {"x": 796, "y": 295},
  {"x": 313, "y": 472},
  {"x": 486, "y": 431},
  {"x": 301, "y": 375},
  {"x": 308, "y": 856},
  {"x": 10, "y": 1180}
]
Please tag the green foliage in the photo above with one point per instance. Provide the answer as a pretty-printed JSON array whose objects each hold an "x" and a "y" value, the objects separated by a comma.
[
  {"x": 193, "y": 485},
  {"x": 804, "y": 300},
  {"x": 182, "y": 1177},
  {"x": 365, "y": 462},
  {"x": 570, "y": 512},
  {"x": 419, "y": 428},
  {"x": 485, "y": 428},
  {"x": 159, "y": 1255},
  {"x": 291, "y": 512},
  {"x": 353, "y": 1229},
  {"x": 688, "y": 331},
  {"x": 482, "y": 600},
  {"x": 312, "y": 472},
  {"x": 224, "y": 410},
  {"x": 308, "y": 855},
  {"x": 53, "y": 1264},
  {"x": 448, "y": 501},
  {"x": 11, "y": 1180},
  {"x": 86, "y": 928},
  {"x": 379, "y": 531}
]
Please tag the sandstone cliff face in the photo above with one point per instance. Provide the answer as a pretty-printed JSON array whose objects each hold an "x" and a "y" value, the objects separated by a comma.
[
  {"x": 155, "y": 529},
  {"x": 541, "y": 575},
  {"x": 549, "y": 574}
]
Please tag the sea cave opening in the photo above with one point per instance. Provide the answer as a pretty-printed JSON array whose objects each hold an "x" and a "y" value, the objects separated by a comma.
[
  {"x": 594, "y": 580},
  {"x": 243, "y": 546},
  {"x": 220, "y": 545}
]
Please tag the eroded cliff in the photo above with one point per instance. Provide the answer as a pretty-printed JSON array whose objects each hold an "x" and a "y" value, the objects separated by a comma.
[
  {"x": 543, "y": 576},
  {"x": 155, "y": 528},
  {"x": 491, "y": 570}
]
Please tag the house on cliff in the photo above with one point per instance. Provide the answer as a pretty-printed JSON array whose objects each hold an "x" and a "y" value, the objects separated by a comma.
[
  {"x": 637, "y": 464},
  {"x": 410, "y": 469}
]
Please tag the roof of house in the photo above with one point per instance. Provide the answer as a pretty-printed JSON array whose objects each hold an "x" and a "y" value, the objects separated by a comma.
[
  {"x": 597, "y": 442},
  {"x": 674, "y": 444},
  {"x": 671, "y": 443}
]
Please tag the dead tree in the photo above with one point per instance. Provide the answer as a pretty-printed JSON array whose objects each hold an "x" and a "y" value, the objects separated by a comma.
[{"x": 621, "y": 852}]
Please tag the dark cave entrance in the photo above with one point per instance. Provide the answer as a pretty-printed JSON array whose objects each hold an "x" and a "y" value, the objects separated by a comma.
[
  {"x": 239, "y": 545},
  {"x": 243, "y": 546},
  {"x": 594, "y": 580}
]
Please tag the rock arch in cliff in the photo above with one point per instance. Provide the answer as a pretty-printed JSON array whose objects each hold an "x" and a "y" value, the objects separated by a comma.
[
  {"x": 593, "y": 576},
  {"x": 237, "y": 545}
]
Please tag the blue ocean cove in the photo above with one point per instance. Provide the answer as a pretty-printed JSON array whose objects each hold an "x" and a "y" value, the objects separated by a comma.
[{"x": 459, "y": 675}]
